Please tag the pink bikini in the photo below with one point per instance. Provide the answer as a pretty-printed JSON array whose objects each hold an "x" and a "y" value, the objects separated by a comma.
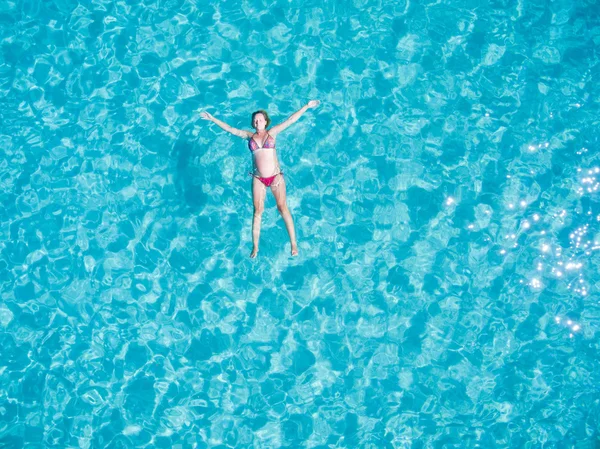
[{"x": 269, "y": 143}]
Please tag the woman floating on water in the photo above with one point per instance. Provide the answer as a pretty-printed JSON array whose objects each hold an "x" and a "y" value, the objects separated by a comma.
[{"x": 266, "y": 172}]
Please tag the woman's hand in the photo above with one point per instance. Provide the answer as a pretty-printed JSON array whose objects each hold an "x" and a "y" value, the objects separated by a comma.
[
  {"x": 206, "y": 116},
  {"x": 313, "y": 103}
]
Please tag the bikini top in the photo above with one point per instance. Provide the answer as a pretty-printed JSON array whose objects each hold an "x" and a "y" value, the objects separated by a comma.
[{"x": 269, "y": 143}]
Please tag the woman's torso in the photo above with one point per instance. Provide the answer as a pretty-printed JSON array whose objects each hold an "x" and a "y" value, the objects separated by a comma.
[{"x": 264, "y": 157}]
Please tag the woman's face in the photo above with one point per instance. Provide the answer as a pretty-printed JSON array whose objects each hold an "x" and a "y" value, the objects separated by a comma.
[{"x": 259, "y": 122}]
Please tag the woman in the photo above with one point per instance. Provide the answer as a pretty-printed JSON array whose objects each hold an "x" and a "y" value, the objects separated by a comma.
[{"x": 266, "y": 172}]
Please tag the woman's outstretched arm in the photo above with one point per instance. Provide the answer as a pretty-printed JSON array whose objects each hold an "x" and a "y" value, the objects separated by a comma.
[
  {"x": 224, "y": 126},
  {"x": 293, "y": 118}
]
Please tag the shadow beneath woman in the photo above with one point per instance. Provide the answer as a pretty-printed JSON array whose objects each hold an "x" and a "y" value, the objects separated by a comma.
[{"x": 190, "y": 174}]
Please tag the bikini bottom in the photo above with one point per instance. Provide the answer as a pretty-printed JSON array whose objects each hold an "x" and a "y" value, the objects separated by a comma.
[{"x": 268, "y": 180}]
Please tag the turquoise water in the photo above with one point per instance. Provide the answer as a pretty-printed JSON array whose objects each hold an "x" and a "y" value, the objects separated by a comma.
[{"x": 445, "y": 195}]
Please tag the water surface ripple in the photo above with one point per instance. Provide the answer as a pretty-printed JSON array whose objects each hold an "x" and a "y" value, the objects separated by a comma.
[{"x": 445, "y": 196}]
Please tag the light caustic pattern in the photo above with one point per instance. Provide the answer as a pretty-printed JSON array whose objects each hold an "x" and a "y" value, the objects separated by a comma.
[
  {"x": 573, "y": 265},
  {"x": 445, "y": 195}
]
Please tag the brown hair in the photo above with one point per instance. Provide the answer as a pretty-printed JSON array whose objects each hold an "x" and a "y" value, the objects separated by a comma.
[{"x": 263, "y": 112}]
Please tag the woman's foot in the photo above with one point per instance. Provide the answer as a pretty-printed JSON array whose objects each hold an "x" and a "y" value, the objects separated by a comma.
[
  {"x": 254, "y": 253},
  {"x": 294, "y": 250}
]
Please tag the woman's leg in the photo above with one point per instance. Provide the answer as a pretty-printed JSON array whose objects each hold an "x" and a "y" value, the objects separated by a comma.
[
  {"x": 278, "y": 189},
  {"x": 258, "y": 200}
]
